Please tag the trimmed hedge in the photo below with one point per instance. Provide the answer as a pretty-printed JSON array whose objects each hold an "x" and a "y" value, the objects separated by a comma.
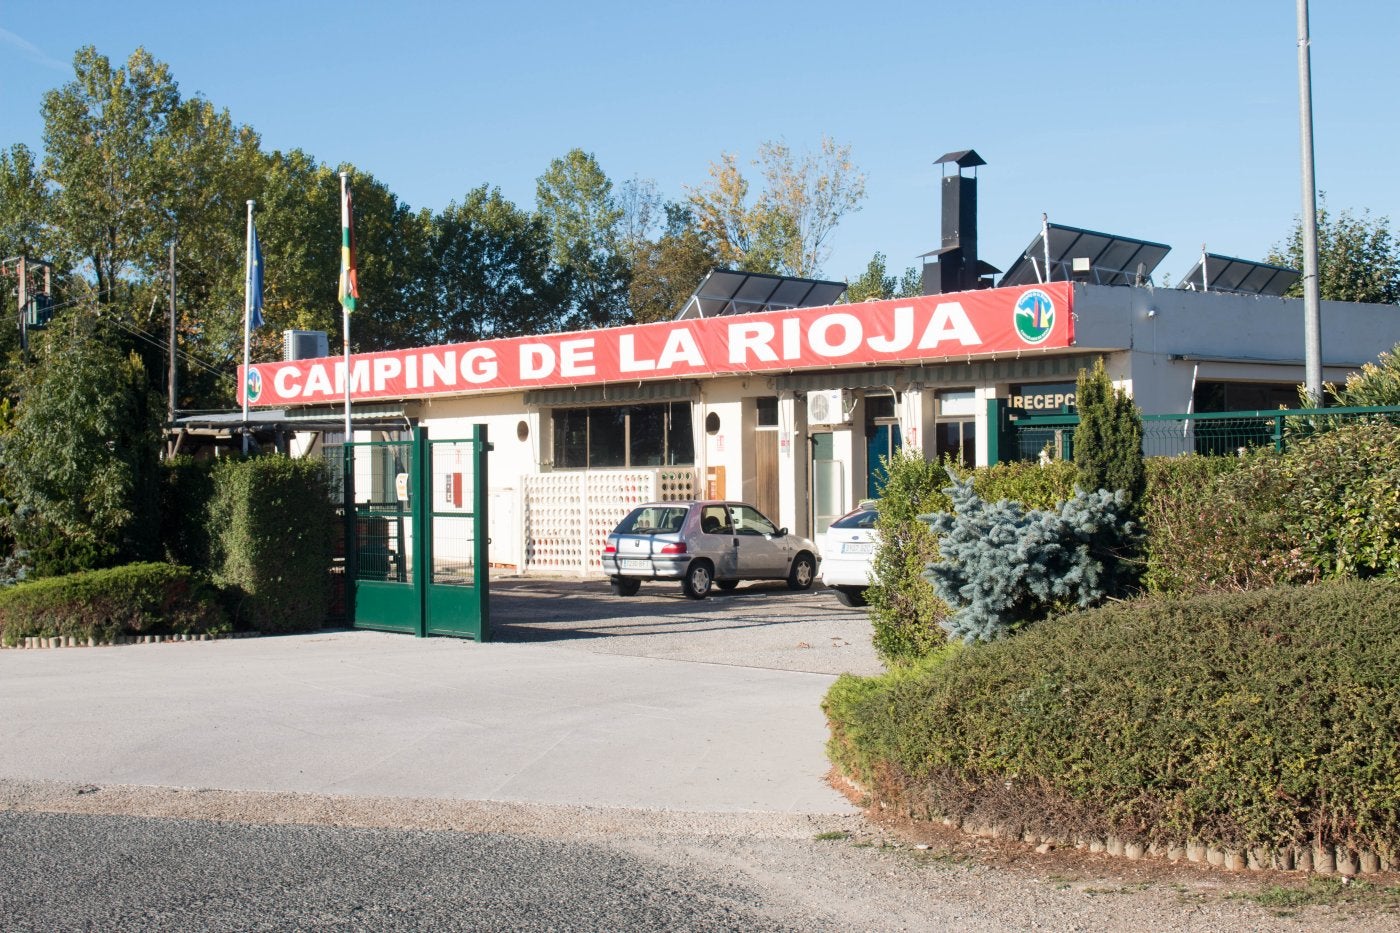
[
  {"x": 135, "y": 599},
  {"x": 1266, "y": 718},
  {"x": 270, "y": 523}
]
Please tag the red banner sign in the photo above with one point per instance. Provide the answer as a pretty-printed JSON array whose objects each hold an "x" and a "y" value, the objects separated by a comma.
[{"x": 932, "y": 328}]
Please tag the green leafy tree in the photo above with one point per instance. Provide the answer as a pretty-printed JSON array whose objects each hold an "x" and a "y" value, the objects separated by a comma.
[
  {"x": 80, "y": 459},
  {"x": 23, "y": 203},
  {"x": 786, "y": 228},
  {"x": 576, "y": 202},
  {"x": 492, "y": 276},
  {"x": 1108, "y": 439},
  {"x": 1358, "y": 258}
]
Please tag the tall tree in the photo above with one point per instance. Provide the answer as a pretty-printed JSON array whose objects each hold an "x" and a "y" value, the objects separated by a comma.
[
  {"x": 1358, "y": 257},
  {"x": 575, "y": 199},
  {"x": 491, "y": 271},
  {"x": 23, "y": 203},
  {"x": 787, "y": 225},
  {"x": 80, "y": 458}
]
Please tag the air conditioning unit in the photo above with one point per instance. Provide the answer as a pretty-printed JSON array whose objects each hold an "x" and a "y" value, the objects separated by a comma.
[
  {"x": 304, "y": 345},
  {"x": 828, "y": 406}
]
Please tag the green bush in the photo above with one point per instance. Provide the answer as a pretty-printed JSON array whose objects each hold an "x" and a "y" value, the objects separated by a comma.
[
  {"x": 1266, "y": 718},
  {"x": 904, "y": 612},
  {"x": 1343, "y": 499},
  {"x": 136, "y": 599},
  {"x": 186, "y": 493},
  {"x": 1108, "y": 438},
  {"x": 270, "y": 526},
  {"x": 1221, "y": 524}
]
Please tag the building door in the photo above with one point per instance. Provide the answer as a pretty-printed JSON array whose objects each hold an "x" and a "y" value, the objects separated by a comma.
[
  {"x": 828, "y": 479},
  {"x": 880, "y": 447},
  {"x": 765, "y": 456}
]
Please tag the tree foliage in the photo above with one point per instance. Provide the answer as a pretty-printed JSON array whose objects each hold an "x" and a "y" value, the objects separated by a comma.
[
  {"x": 1378, "y": 383},
  {"x": 80, "y": 459},
  {"x": 1108, "y": 439},
  {"x": 1358, "y": 258},
  {"x": 491, "y": 275},
  {"x": 876, "y": 283},
  {"x": 576, "y": 203},
  {"x": 786, "y": 227}
]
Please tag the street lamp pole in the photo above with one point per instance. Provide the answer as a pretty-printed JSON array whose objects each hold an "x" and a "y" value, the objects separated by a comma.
[{"x": 1312, "y": 311}]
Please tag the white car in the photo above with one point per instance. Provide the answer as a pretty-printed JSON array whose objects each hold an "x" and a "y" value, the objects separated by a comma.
[{"x": 848, "y": 554}]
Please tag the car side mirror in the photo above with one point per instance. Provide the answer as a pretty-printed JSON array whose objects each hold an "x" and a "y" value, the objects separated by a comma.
[{"x": 780, "y": 533}]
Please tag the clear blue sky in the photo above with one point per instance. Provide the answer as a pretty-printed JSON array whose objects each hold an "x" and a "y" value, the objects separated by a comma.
[{"x": 1175, "y": 122}]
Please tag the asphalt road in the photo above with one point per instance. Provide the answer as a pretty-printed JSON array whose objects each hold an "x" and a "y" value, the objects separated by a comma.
[{"x": 112, "y": 873}]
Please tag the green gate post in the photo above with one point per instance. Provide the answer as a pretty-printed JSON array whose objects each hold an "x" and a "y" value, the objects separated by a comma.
[
  {"x": 1278, "y": 434},
  {"x": 996, "y": 428},
  {"x": 352, "y": 544},
  {"x": 421, "y": 494},
  {"x": 481, "y": 541}
]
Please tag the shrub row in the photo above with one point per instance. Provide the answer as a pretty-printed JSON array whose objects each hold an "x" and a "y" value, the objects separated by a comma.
[
  {"x": 1265, "y": 718},
  {"x": 261, "y": 529},
  {"x": 135, "y": 599}
]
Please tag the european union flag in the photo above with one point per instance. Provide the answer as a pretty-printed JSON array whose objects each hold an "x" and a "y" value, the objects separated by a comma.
[{"x": 255, "y": 285}]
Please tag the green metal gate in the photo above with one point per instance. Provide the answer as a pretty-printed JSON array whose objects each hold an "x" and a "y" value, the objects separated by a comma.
[{"x": 417, "y": 547}]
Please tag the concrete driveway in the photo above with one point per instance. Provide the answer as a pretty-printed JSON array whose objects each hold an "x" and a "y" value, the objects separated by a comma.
[{"x": 587, "y": 699}]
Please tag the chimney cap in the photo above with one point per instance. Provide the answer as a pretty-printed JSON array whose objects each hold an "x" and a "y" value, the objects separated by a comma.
[{"x": 963, "y": 158}]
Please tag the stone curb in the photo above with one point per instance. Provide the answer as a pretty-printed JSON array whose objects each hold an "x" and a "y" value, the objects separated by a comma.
[
  {"x": 1318, "y": 858},
  {"x": 69, "y": 641}
]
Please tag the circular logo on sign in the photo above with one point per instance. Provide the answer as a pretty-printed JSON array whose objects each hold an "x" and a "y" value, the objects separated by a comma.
[
  {"x": 1035, "y": 316},
  {"x": 254, "y": 385}
]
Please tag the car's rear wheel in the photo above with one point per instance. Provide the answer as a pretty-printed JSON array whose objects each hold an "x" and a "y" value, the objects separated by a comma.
[
  {"x": 803, "y": 572},
  {"x": 853, "y": 596},
  {"x": 698, "y": 577},
  {"x": 623, "y": 586},
  {"x": 726, "y": 585}
]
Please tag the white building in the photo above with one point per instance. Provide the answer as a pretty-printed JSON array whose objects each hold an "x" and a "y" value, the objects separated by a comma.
[{"x": 791, "y": 409}]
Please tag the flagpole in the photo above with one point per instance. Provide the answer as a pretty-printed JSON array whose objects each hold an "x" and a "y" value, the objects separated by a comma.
[
  {"x": 344, "y": 307},
  {"x": 247, "y": 316}
]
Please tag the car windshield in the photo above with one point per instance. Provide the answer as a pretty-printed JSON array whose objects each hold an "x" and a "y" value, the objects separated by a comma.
[
  {"x": 860, "y": 518},
  {"x": 653, "y": 519}
]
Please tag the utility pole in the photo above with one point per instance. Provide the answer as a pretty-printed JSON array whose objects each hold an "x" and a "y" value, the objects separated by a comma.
[
  {"x": 170, "y": 406},
  {"x": 23, "y": 306},
  {"x": 22, "y": 264},
  {"x": 1312, "y": 302}
]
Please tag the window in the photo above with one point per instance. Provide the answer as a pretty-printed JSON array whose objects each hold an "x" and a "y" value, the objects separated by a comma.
[
  {"x": 623, "y": 436},
  {"x": 767, "y": 412}
]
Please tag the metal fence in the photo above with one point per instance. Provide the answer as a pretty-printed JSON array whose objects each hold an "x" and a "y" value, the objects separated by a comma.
[{"x": 1225, "y": 433}]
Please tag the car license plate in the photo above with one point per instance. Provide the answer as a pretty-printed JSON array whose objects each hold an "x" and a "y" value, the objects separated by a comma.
[
  {"x": 633, "y": 564},
  {"x": 858, "y": 547}
]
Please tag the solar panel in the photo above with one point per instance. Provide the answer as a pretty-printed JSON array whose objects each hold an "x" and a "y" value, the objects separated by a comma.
[
  {"x": 1113, "y": 260},
  {"x": 725, "y": 291},
  {"x": 1216, "y": 273}
]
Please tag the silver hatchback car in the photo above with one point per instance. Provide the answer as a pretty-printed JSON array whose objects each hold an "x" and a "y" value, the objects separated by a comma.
[{"x": 704, "y": 543}]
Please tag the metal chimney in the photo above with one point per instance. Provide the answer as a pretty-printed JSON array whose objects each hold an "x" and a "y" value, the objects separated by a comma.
[{"x": 956, "y": 267}]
